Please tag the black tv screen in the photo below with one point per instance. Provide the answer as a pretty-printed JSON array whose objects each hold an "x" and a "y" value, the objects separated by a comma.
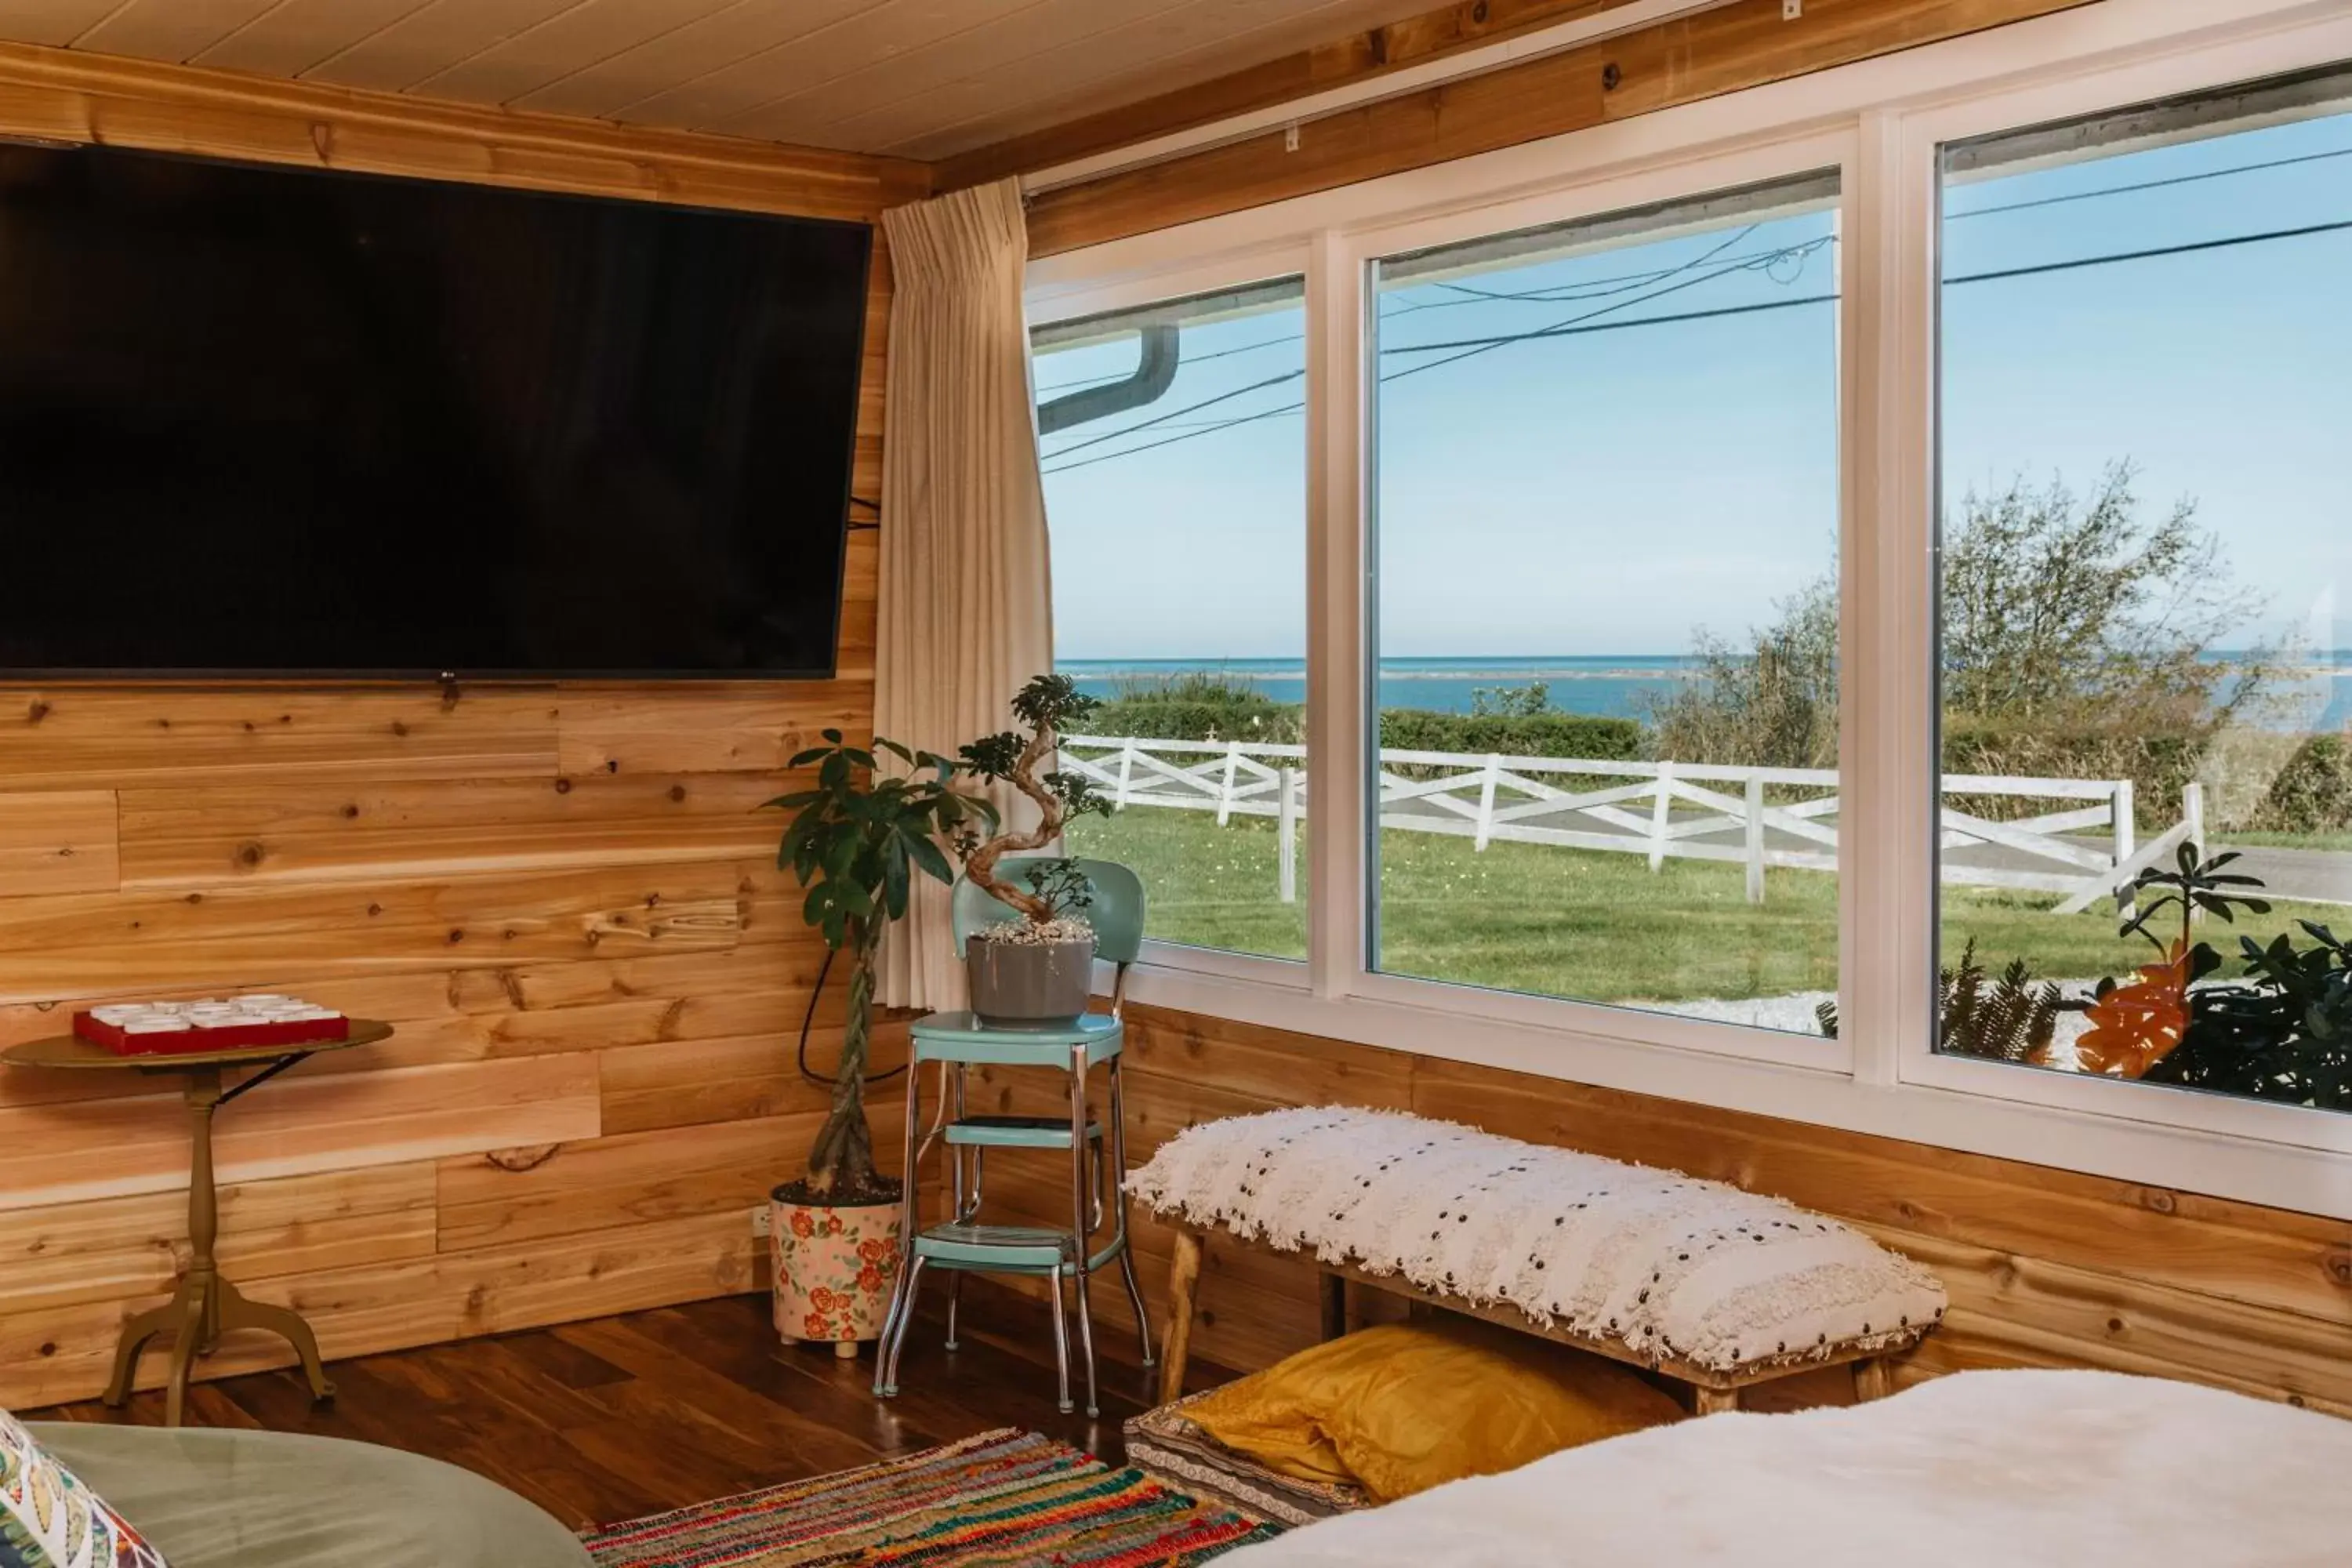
[{"x": 266, "y": 421}]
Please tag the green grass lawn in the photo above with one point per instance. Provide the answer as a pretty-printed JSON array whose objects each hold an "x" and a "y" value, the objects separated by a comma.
[{"x": 1594, "y": 925}]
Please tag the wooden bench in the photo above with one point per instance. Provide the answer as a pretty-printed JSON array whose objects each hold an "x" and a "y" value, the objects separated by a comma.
[{"x": 1711, "y": 1391}]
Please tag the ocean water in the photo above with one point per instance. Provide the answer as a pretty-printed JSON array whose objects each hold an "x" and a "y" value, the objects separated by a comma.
[{"x": 1617, "y": 686}]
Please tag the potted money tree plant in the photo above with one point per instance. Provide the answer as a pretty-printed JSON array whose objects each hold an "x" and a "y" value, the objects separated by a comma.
[
  {"x": 1036, "y": 965},
  {"x": 858, "y": 839}
]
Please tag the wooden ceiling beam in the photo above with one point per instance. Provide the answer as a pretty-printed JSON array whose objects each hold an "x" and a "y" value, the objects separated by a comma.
[
  {"x": 1359, "y": 57},
  {"x": 1745, "y": 44},
  {"x": 71, "y": 95}
]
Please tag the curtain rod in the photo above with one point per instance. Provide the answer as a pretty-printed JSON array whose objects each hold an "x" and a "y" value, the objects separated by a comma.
[{"x": 1469, "y": 62}]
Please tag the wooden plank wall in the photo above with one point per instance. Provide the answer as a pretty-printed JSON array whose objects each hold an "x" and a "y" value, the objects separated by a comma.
[
  {"x": 2045, "y": 1267},
  {"x": 559, "y": 894}
]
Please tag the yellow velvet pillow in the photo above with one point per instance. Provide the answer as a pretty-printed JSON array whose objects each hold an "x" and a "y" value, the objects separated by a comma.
[{"x": 1404, "y": 1407}]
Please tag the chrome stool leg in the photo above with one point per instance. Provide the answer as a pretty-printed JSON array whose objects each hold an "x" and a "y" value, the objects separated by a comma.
[
  {"x": 1061, "y": 1341},
  {"x": 1083, "y": 1194},
  {"x": 887, "y": 1354},
  {"x": 955, "y": 1302}
]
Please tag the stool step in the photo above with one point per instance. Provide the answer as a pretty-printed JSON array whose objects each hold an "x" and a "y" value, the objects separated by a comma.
[
  {"x": 1016, "y": 1132},
  {"x": 1015, "y": 1248}
]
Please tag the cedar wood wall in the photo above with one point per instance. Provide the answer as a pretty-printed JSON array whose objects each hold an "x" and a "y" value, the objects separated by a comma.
[{"x": 560, "y": 895}]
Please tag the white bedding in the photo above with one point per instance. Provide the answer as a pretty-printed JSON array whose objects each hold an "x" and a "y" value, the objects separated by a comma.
[{"x": 1987, "y": 1469}]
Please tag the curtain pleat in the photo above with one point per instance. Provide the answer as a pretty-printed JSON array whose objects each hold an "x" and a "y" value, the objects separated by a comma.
[{"x": 966, "y": 613}]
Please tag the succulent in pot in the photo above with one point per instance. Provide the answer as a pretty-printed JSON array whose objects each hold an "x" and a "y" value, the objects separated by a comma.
[{"x": 1036, "y": 966}]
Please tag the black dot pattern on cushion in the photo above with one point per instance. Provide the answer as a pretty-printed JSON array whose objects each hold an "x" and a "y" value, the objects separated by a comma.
[{"x": 1699, "y": 1271}]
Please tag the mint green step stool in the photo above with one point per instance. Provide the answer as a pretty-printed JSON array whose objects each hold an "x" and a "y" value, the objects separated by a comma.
[{"x": 960, "y": 1244}]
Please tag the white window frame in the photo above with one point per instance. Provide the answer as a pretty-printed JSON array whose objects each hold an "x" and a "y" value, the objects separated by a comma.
[{"x": 1880, "y": 122}]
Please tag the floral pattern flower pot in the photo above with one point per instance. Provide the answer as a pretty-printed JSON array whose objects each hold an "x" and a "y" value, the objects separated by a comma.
[{"x": 833, "y": 1270}]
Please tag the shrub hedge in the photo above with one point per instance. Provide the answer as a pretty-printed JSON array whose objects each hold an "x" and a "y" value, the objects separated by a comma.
[
  {"x": 1244, "y": 717},
  {"x": 1512, "y": 734},
  {"x": 2313, "y": 794}
]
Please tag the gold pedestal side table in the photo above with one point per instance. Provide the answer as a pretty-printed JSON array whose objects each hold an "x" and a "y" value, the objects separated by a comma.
[{"x": 205, "y": 1306}]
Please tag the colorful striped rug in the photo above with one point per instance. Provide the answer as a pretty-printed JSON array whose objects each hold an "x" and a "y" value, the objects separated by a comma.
[{"x": 1003, "y": 1498}]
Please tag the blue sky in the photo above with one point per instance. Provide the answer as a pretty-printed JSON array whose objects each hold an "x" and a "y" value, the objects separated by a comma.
[{"x": 1607, "y": 493}]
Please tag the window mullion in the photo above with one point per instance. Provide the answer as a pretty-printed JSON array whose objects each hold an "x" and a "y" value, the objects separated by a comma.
[
  {"x": 1336, "y": 627},
  {"x": 1886, "y": 854}
]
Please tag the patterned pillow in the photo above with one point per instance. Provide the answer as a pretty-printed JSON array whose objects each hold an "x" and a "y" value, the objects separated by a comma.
[{"x": 49, "y": 1520}]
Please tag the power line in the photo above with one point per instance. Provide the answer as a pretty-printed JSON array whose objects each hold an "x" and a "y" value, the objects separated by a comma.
[
  {"x": 2151, "y": 184},
  {"x": 1557, "y": 291},
  {"x": 1207, "y": 427},
  {"x": 1292, "y": 375},
  {"x": 1482, "y": 346},
  {"x": 1180, "y": 413},
  {"x": 1502, "y": 339},
  {"x": 2224, "y": 243},
  {"x": 1605, "y": 310},
  {"x": 1553, "y": 293}
]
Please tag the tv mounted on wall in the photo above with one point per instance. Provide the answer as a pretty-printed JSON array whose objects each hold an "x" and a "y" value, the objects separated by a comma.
[{"x": 264, "y": 421}]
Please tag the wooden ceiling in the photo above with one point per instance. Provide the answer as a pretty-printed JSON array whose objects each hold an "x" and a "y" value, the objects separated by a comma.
[{"x": 919, "y": 79}]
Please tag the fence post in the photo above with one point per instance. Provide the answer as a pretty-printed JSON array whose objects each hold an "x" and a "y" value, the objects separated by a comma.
[
  {"x": 1660, "y": 816},
  {"x": 1126, "y": 771},
  {"x": 1225, "y": 790},
  {"x": 1486, "y": 801},
  {"x": 2127, "y": 846},
  {"x": 1755, "y": 839},
  {"x": 1286, "y": 833}
]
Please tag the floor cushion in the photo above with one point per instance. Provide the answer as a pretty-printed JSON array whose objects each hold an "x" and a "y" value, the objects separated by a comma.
[
  {"x": 1404, "y": 1407},
  {"x": 50, "y": 1518},
  {"x": 209, "y": 1498},
  {"x": 1649, "y": 1263},
  {"x": 1165, "y": 1445}
]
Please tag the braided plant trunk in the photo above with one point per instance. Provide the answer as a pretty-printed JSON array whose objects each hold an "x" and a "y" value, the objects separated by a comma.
[{"x": 841, "y": 1163}]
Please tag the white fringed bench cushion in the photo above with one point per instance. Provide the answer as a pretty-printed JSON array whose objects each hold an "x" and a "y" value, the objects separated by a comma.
[{"x": 1666, "y": 1266}]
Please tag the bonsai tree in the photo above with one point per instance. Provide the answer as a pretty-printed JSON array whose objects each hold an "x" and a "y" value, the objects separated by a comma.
[
  {"x": 856, "y": 844},
  {"x": 1055, "y": 890}
]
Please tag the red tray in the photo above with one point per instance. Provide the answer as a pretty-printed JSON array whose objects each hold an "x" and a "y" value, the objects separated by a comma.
[{"x": 232, "y": 1037}]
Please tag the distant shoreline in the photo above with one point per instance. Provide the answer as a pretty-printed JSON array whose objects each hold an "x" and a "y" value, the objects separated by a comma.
[{"x": 1620, "y": 685}]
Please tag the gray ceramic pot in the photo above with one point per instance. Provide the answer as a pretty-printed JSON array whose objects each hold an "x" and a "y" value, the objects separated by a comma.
[{"x": 1032, "y": 983}]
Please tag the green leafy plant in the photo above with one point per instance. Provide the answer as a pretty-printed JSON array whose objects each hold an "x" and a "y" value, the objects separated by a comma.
[
  {"x": 2012, "y": 1019},
  {"x": 856, "y": 842},
  {"x": 1064, "y": 885},
  {"x": 2285, "y": 1035},
  {"x": 1023, "y": 758}
]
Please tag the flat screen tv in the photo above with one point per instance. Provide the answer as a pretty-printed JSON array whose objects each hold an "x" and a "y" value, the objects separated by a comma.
[{"x": 271, "y": 422}]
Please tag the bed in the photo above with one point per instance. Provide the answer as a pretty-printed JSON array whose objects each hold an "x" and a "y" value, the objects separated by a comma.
[{"x": 2068, "y": 1469}]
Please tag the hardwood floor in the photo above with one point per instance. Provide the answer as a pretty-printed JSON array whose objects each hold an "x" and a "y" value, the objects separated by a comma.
[{"x": 617, "y": 1417}]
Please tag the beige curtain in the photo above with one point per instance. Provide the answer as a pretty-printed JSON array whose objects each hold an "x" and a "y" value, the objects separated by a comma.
[{"x": 966, "y": 594}]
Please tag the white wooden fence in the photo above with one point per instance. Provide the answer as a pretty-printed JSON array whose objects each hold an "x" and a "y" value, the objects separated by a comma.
[{"x": 1662, "y": 810}]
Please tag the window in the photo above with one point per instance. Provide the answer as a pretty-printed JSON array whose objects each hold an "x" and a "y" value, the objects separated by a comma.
[
  {"x": 1174, "y": 454},
  {"x": 1605, "y": 656},
  {"x": 1775, "y": 571},
  {"x": 2145, "y": 577}
]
